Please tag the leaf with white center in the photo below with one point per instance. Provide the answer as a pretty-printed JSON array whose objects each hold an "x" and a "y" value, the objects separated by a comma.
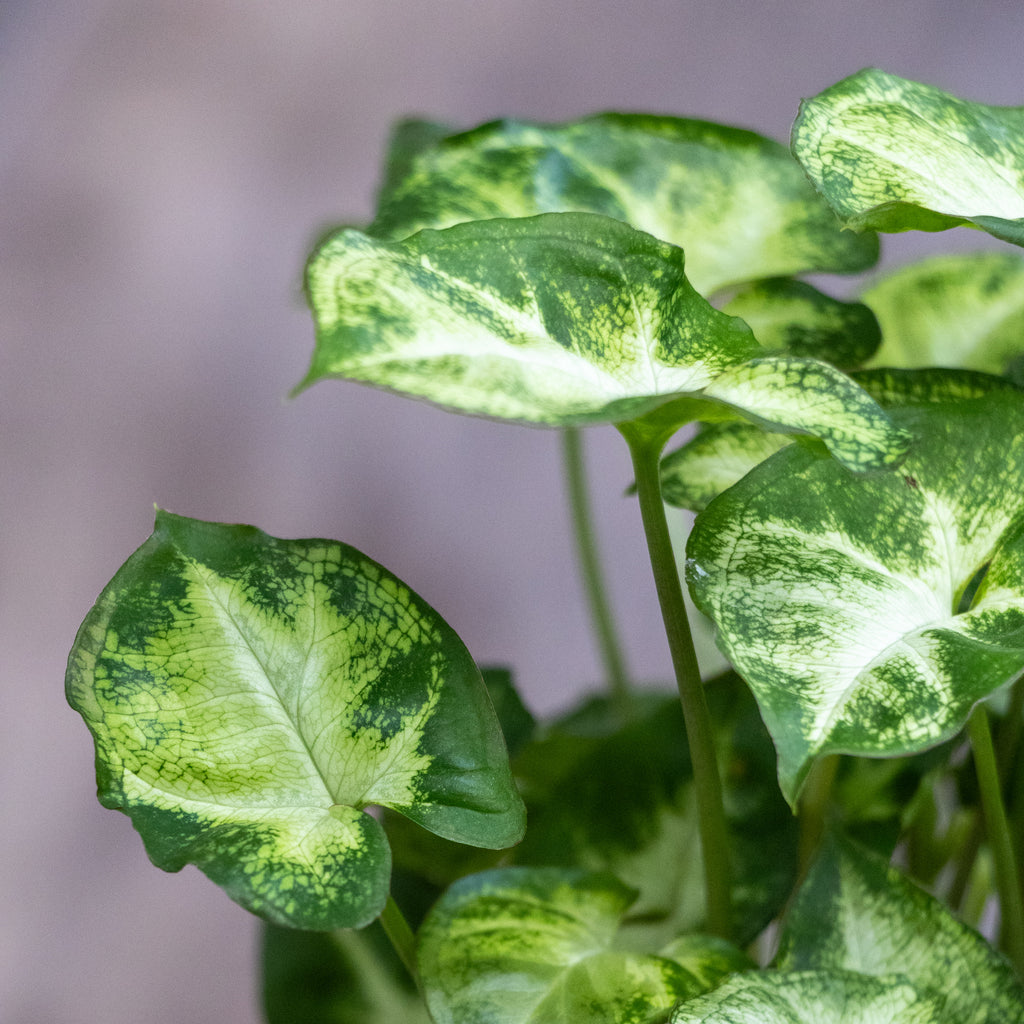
[
  {"x": 956, "y": 311},
  {"x": 565, "y": 319},
  {"x": 793, "y": 317},
  {"x": 250, "y": 698},
  {"x": 838, "y": 597},
  {"x": 722, "y": 453},
  {"x": 854, "y": 912},
  {"x": 734, "y": 200},
  {"x": 813, "y": 997},
  {"x": 559, "y": 320},
  {"x": 535, "y": 945},
  {"x": 894, "y": 155}
]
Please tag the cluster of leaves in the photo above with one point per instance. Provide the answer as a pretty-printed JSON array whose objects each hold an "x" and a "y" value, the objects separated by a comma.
[{"x": 292, "y": 719}]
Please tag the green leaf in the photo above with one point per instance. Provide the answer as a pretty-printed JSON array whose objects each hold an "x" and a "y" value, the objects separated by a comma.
[
  {"x": 560, "y": 320},
  {"x": 714, "y": 459},
  {"x": 854, "y": 912},
  {"x": 565, "y": 319},
  {"x": 838, "y": 598},
  {"x": 895, "y": 155},
  {"x": 813, "y": 997},
  {"x": 723, "y": 452},
  {"x": 251, "y": 698},
  {"x": 794, "y": 317},
  {"x": 623, "y": 802},
  {"x": 957, "y": 311},
  {"x": 735, "y": 201},
  {"x": 341, "y": 977},
  {"x": 533, "y": 945}
]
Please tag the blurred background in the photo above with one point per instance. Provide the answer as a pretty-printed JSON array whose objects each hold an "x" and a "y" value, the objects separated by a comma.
[{"x": 163, "y": 170}]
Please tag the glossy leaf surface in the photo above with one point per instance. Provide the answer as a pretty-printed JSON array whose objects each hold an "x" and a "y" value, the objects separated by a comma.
[
  {"x": 813, "y": 997},
  {"x": 856, "y": 913},
  {"x": 895, "y": 155},
  {"x": 957, "y": 311},
  {"x": 561, "y": 320},
  {"x": 838, "y": 598},
  {"x": 532, "y": 945},
  {"x": 251, "y": 697},
  {"x": 735, "y": 201}
]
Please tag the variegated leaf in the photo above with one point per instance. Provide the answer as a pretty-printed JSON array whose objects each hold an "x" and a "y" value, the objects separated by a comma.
[
  {"x": 791, "y": 316},
  {"x": 723, "y": 452},
  {"x": 956, "y": 311},
  {"x": 895, "y": 155},
  {"x": 854, "y": 912},
  {"x": 735, "y": 201},
  {"x": 839, "y": 598},
  {"x": 565, "y": 319},
  {"x": 623, "y": 801},
  {"x": 251, "y": 698},
  {"x": 813, "y": 997},
  {"x": 534, "y": 945}
]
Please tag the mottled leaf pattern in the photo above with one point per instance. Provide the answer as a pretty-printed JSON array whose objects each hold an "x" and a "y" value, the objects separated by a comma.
[
  {"x": 723, "y": 452},
  {"x": 714, "y": 459},
  {"x": 793, "y": 317},
  {"x": 896, "y": 155},
  {"x": 534, "y": 945},
  {"x": 956, "y": 311},
  {"x": 813, "y": 997},
  {"x": 250, "y": 698},
  {"x": 561, "y": 320},
  {"x": 735, "y": 201},
  {"x": 622, "y": 801},
  {"x": 837, "y": 597},
  {"x": 854, "y": 912}
]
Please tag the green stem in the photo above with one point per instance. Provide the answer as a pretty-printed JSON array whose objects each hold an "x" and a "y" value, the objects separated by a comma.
[
  {"x": 645, "y": 451},
  {"x": 1006, "y": 749},
  {"x": 401, "y": 935},
  {"x": 814, "y": 807},
  {"x": 1007, "y": 878},
  {"x": 593, "y": 576}
]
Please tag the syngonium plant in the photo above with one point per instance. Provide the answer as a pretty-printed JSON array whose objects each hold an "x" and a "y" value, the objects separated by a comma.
[{"x": 292, "y": 719}]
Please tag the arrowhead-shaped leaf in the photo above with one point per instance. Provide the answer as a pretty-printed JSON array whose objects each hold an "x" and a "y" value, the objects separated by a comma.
[
  {"x": 533, "y": 945},
  {"x": 565, "y": 319},
  {"x": 957, "y": 311},
  {"x": 895, "y": 155},
  {"x": 250, "y": 698},
  {"x": 854, "y": 912},
  {"x": 735, "y": 201},
  {"x": 813, "y": 997},
  {"x": 838, "y": 598}
]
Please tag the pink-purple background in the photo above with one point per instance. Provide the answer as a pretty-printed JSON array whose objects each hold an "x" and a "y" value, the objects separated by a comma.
[{"x": 163, "y": 167}]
